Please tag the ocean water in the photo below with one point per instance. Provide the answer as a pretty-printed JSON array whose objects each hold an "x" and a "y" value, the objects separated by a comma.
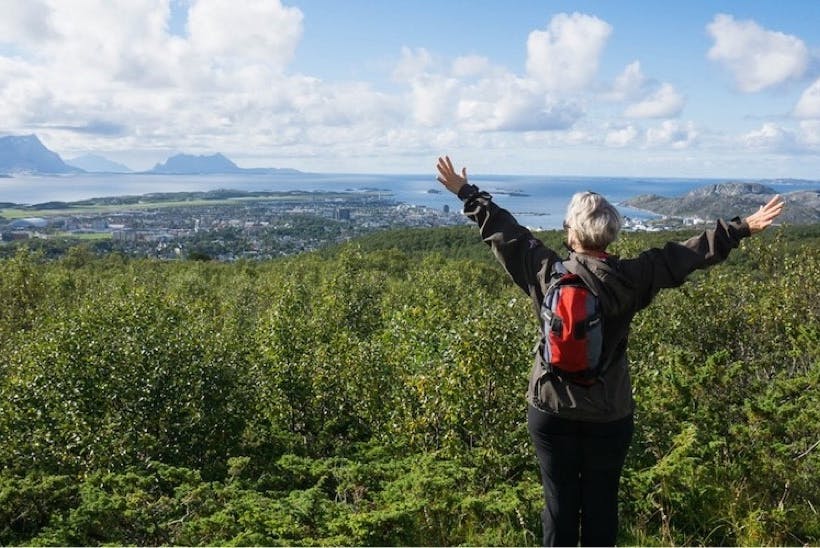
[{"x": 536, "y": 201}]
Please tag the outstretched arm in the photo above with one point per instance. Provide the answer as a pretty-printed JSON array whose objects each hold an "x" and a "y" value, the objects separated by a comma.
[
  {"x": 521, "y": 253},
  {"x": 668, "y": 267},
  {"x": 763, "y": 217}
]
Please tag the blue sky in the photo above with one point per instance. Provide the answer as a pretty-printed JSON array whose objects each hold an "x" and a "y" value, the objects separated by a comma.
[{"x": 684, "y": 89}]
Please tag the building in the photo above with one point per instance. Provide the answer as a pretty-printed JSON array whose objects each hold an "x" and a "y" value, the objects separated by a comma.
[{"x": 28, "y": 223}]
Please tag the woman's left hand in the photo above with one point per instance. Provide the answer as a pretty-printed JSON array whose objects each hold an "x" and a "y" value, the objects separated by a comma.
[
  {"x": 449, "y": 178},
  {"x": 763, "y": 217}
]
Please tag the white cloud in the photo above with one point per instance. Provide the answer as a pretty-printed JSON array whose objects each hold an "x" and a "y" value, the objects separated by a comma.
[
  {"x": 648, "y": 98},
  {"x": 621, "y": 137},
  {"x": 413, "y": 64},
  {"x": 808, "y": 106},
  {"x": 109, "y": 75},
  {"x": 757, "y": 58},
  {"x": 769, "y": 136},
  {"x": 672, "y": 134},
  {"x": 258, "y": 31},
  {"x": 25, "y": 23},
  {"x": 116, "y": 61},
  {"x": 434, "y": 101},
  {"x": 19, "y": 90},
  {"x": 112, "y": 67},
  {"x": 432, "y": 97},
  {"x": 343, "y": 105},
  {"x": 512, "y": 104},
  {"x": 628, "y": 85},
  {"x": 666, "y": 102},
  {"x": 99, "y": 44},
  {"x": 573, "y": 136},
  {"x": 577, "y": 137},
  {"x": 809, "y": 135},
  {"x": 565, "y": 56},
  {"x": 470, "y": 66},
  {"x": 472, "y": 95}
]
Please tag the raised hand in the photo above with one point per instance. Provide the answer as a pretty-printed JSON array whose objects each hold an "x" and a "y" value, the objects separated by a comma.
[
  {"x": 449, "y": 178},
  {"x": 763, "y": 217}
]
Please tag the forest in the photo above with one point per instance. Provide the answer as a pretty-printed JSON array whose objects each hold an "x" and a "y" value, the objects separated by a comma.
[{"x": 372, "y": 393}]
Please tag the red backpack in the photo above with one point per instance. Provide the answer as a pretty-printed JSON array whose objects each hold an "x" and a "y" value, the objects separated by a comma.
[{"x": 572, "y": 327}]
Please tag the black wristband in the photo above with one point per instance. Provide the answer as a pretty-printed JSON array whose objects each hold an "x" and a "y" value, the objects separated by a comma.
[{"x": 467, "y": 191}]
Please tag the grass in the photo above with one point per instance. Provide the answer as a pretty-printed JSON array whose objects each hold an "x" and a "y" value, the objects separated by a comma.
[{"x": 87, "y": 236}]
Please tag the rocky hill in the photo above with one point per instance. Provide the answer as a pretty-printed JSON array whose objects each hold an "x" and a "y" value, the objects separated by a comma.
[
  {"x": 26, "y": 154},
  {"x": 727, "y": 200},
  {"x": 189, "y": 164}
]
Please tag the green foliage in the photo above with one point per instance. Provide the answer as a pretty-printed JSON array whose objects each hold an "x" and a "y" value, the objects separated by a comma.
[
  {"x": 22, "y": 291},
  {"x": 373, "y": 394},
  {"x": 727, "y": 422}
]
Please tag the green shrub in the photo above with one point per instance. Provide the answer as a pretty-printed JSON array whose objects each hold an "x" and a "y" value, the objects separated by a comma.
[{"x": 373, "y": 394}]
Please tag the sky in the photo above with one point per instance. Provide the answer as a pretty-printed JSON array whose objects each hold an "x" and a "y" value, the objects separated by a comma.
[{"x": 724, "y": 89}]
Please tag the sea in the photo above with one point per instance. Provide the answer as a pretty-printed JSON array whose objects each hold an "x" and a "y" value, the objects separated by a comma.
[{"x": 536, "y": 201}]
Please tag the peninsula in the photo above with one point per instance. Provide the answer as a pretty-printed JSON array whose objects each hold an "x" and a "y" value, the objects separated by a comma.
[{"x": 725, "y": 200}]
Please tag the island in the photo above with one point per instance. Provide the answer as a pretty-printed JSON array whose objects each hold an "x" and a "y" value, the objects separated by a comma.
[{"x": 726, "y": 200}]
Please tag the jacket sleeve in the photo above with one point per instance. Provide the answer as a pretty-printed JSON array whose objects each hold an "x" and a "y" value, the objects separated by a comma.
[
  {"x": 660, "y": 268},
  {"x": 522, "y": 254}
]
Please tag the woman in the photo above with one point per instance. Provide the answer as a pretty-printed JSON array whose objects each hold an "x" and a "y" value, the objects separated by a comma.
[{"x": 582, "y": 430}]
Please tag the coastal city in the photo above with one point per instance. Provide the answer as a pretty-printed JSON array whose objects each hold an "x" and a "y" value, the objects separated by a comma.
[{"x": 221, "y": 225}]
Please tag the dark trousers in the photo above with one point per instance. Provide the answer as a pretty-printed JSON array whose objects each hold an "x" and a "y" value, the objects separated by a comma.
[{"x": 581, "y": 465}]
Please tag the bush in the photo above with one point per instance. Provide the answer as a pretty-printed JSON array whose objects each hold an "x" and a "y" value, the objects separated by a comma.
[{"x": 374, "y": 395}]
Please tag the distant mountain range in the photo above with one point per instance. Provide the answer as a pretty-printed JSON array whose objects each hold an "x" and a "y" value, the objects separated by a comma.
[
  {"x": 94, "y": 163},
  {"x": 188, "y": 164},
  {"x": 729, "y": 199},
  {"x": 26, "y": 154}
]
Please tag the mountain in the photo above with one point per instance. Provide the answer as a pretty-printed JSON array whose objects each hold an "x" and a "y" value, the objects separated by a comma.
[
  {"x": 26, "y": 154},
  {"x": 189, "y": 164},
  {"x": 729, "y": 199},
  {"x": 98, "y": 164}
]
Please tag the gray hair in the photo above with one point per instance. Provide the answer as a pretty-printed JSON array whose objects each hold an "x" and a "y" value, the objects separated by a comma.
[{"x": 593, "y": 219}]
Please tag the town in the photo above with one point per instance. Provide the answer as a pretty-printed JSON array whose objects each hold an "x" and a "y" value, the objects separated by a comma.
[{"x": 223, "y": 225}]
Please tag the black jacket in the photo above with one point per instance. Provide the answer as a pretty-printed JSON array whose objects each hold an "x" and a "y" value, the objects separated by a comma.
[{"x": 624, "y": 286}]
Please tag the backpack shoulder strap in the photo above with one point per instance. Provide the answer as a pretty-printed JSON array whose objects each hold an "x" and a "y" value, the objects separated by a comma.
[
  {"x": 574, "y": 266},
  {"x": 559, "y": 268}
]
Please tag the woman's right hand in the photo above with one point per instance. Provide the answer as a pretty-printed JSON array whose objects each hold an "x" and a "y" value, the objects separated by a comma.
[
  {"x": 763, "y": 217},
  {"x": 448, "y": 176}
]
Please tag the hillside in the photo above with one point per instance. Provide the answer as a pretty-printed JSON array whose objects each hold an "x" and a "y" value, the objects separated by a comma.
[
  {"x": 727, "y": 200},
  {"x": 26, "y": 154},
  {"x": 375, "y": 397}
]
